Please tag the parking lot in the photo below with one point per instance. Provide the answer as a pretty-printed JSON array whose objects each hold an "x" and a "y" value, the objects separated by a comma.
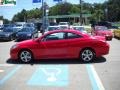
[{"x": 102, "y": 74}]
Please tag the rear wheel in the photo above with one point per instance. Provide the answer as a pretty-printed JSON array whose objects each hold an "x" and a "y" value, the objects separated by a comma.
[
  {"x": 87, "y": 55},
  {"x": 25, "y": 56}
]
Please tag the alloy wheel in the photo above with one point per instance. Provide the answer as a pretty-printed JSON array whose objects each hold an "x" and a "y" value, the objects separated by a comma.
[
  {"x": 25, "y": 56},
  {"x": 87, "y": 55}
]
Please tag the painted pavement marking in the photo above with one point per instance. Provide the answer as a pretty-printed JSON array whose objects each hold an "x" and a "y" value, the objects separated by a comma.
[
  {"x": 1, "y": 71},
  {"x": 8, "y": 65},
  {"x": 94, "y": 78},
  {"x": 50, "y": 75},
  {"x": 10, "y": 74}
]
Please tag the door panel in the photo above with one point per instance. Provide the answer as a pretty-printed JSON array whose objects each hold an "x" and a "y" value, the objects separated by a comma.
[
  {"x": 53, "y": 49},
  {"x": 53, "y": 46}
]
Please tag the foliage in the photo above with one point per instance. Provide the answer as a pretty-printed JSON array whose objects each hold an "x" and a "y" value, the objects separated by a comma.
[
  {"x": 24, "y": 15},
  {"x": 1, "y": 17},
  {"x": 113, "y": 10},
  {"x": 6, "y": 21},
  {"x": 109, "y": 10}
]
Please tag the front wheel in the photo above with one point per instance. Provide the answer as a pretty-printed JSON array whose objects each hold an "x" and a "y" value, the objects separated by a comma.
[
  {"x": 25, "y": 56},
  {"x": 87, "y": 55},
  {"x": 11, "y": 38}
]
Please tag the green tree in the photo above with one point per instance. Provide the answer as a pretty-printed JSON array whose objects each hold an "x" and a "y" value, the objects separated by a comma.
[
  {"x": 113, "y": 7},
  {"x": 61, "y": 9},
  {"x": 1, "y": 17},
  {"x": 24, "y": 15}
]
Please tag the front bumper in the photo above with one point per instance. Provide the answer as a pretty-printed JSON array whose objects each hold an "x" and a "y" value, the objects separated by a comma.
[
  {"x": 14, "y": 54},
  {"x": 4, "y": 38}
]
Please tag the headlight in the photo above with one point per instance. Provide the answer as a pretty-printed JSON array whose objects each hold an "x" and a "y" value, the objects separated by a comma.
[
  {"x": 14, "y": 46},
  {"x": 107, "y": 35},
  {"x": 28, "y": 34}
]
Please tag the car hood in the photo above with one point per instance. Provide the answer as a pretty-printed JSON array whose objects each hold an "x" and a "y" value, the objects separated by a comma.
[
  {"x": 104, "y": 32},
  {"x": 26, "y": 43},
  {"x": 23, "y": 33},
  {"x": 5, "y": 33}
]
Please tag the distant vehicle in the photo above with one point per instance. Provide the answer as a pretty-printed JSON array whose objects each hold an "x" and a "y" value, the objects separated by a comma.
[
  {"x": 26, "y": 33},
  {"x": 60, "y": 44},
  {"x": 29, "y": 25},
  {"x": 64, "y": 27},
  {"x": 1, "y": 27},
  {"x": 63, "y": 23},
  {"x": 104, "y": 23},
  {"x": 51, "y": 28},
  {"x": 19, "y": 25},
  {"x": 112, "y": 28},
  {"x": 79, "y": 28},
  {"x": 53, "y": 24},
  {"x": 103, "y": 31},
  {"x": 117, "y": 33},
  {"x": 38, "y": 26},
  {"x": 8, "y": 33}
]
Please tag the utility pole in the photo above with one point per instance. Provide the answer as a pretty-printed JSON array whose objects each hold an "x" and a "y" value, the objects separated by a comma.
[
  {"x": 43, "y": 23},
  {"x": 106, "y": 11},
  {"x": 81, "y": 12}
]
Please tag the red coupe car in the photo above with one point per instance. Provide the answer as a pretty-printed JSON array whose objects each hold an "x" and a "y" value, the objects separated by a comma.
[
  {"x": 60, "y": 44},
  {"x": 103, "y": 31}
]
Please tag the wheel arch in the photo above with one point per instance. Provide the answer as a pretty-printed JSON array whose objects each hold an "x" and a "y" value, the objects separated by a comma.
[{"x": 87, "y": 48}]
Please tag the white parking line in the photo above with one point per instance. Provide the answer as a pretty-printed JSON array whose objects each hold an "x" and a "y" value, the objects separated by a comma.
[
  {"x": 95, "y": 80},
  {"x": 1, "y": 71},
  {"x": 6, "y": 65}
]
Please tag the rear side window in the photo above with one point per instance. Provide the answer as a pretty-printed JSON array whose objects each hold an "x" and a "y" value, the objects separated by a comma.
[{"x": 73, "y": 35}]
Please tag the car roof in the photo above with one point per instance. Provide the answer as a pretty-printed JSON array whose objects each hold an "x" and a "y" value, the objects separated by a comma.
[
  {"x": 77, "y": 26},
  {"x": 100, "y": 26},
  {"x": 53, "y": 26},
  {"x": 69, "y": 30}
]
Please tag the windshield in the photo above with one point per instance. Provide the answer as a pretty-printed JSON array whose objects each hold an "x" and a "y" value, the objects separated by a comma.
[
  {"x": 101, "y": 28},
  {"x": 18, "y": 25},
  {"x": 27, "y": 30},
  {"x": 63, "y": 23},
  {"x": 28, "y": 25},
  {"x": 63, "y": 27},
  {"x": 53, "y": 28},
  {"x": 79, "y": 28}
]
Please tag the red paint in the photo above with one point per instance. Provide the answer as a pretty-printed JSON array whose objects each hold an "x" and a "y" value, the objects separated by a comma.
[
  {"x": 103, "y": 31},
  {"x": 65, "y": 48}
]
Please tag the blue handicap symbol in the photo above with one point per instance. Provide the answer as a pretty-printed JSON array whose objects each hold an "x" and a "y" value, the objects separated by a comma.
[{"x": 50, "y": 75}]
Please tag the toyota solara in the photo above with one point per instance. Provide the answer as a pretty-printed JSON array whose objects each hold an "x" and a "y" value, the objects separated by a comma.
[{"x": 60, "y": 44}]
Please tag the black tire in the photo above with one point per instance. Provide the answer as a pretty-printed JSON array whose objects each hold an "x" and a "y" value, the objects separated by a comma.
[
  {"x": 25, "y": 56},
  {"x": 87, "y": 55},
  {"x": 11, "y": 38}
]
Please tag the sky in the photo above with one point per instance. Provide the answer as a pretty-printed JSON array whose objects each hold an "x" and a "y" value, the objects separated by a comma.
[{"x": 9, "y": 11}]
